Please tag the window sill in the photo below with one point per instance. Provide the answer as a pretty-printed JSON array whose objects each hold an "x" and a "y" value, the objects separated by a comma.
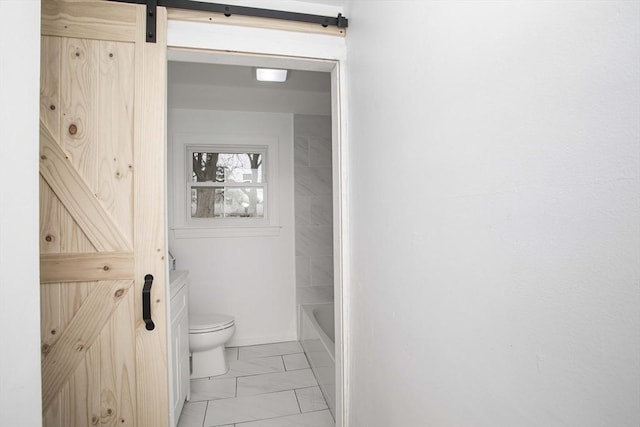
[{"x": 226, "y": 231}]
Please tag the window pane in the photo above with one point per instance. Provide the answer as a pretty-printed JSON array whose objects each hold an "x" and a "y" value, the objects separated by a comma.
[
  {"x": 227, "y": 167},
  {"x": 227, "y": 202}
]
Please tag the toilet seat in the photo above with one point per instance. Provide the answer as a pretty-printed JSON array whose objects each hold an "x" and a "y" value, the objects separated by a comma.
[{"x": 202, "y": 323}]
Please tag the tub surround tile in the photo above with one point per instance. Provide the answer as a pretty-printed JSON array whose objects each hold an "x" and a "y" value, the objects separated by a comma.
[
  {"x": 301, "y": 151},
  {"x": 310, "y": 419},
  {"x": 320, "y": 151},
  {"x": 296, "y": 361},
  {"x": 265, "y": 350},
  {"x": 251, "y": 408},
  {"x": 303, "y": 271},
  {"x": 321, "y": 210},
  {"x": 314, "y": 240},
  {"x": 321, "y": 270},
  {"x": 192, "y": 414},
  {"x": 312, "y": 125},
  {"x": 313, "y": 181},
  {"x": 212, "y": 388},
  {"x": 303, "y": 210},
  {"x": 314, "y": 294},
  {"x": 256, "y": 366},
  {"x": 268, "y": 383},
  {"x": 311, "y": 399}
]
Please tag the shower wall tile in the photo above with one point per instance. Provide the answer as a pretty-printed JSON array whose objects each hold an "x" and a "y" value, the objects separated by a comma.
[
  {"x": 314, "y": 241},
  {"x": 320, "y": 151},
  {"x": 312, "y": 125},
  {"x": 321, "y": 270},
  {"x": 303, "y": 271},
  {"x": 313, "y": 181},
  {"x": 313, "y": 208},
  {"x": 303, "y": 210},
  {"x": 314, "y": 294},
  {"x": 301, "y": 151},
  {"x": 321, "y": 210}
]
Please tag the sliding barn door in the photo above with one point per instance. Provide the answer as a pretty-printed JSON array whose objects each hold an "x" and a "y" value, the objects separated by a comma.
[{"x": 102, "y": 224}]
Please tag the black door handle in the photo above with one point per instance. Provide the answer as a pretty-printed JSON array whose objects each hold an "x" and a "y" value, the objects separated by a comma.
[{"x": 146, "y": 302}]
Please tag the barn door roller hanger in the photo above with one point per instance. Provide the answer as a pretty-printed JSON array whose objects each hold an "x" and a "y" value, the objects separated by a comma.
[{"x": 228, "y": 10}]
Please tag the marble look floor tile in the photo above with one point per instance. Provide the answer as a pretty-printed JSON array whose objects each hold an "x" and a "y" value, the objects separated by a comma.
[
  {"x": 231, "y": 353},
  {"x": 310, "y": 419},
  {"x": 265, "y": 350},
  {"x": 268, "y": 383},
  {"x": 251, "y": 408},
  {"x": 256, "y": 366},
  {"x": 310, "y": 399},
  {"x": 212, "y": 388},
  {"x": 192, "y": 414},
  {"x": 295, "y": 361}
]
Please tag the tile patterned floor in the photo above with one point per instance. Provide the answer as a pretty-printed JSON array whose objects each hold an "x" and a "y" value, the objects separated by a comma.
[{"x": 267, "y": 385}]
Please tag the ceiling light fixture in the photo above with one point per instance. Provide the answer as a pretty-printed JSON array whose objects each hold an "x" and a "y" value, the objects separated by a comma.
[{"x": 271, "y": 75}]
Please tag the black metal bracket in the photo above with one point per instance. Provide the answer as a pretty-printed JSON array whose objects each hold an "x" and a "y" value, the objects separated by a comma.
[
  {"x": 146, "y": 302},
  {"x": 228, "y": 10},
  {"x": 152, "y": 8}
]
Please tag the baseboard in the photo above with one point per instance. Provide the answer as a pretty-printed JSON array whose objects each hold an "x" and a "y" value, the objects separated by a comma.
[{"x": 291, "y": 336}]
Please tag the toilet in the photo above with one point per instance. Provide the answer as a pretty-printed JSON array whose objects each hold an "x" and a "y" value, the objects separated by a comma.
[{"x": 207, "y": 335}]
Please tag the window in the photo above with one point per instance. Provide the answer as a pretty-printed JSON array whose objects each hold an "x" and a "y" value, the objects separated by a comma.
[
  {"x": 224, "y": 185},
  {"x": 227, "y": 183}
]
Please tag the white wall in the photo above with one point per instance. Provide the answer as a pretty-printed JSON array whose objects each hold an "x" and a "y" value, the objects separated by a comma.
[
  {"x": 251, "y": 278},
  {"x": 249, "y": 99},
  {"x": 19, "y": 274},
  {"x": 495, "y": 167}
]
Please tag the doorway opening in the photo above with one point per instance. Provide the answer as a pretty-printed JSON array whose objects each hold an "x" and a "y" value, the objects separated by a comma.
[{"x": 215, "y": 101}]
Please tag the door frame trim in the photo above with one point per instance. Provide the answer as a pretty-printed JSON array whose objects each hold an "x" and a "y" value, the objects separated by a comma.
[{"x": 251, "y": 46}]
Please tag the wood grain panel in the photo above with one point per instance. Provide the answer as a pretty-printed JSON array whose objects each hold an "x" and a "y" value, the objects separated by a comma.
[
  {"x": 61, "y": 359},
  {"x": 49, "y": 243},
  {"x": 50, "y": 84},
  {"x": 82, "y": 267},
  {"x": 79, "y": 398},
  {"x": 89, "y": 19},
  {"x": 72, "y": 238},
  {"x": 149, "y": 222},
  {"x": 251, "y": 21},
  {"x": 118, "y": 380},
  {"x": 102, "y": 367},
  {"x": 115, "y": 138},
  {"x": 79, "y": 98},
  {"x": 76, "y": 196}
]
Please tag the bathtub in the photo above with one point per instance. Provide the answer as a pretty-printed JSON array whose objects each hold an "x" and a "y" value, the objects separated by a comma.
[{"x": 316, "y": 335}]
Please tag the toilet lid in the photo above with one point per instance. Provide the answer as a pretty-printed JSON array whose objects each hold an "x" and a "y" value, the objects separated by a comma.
[{"x": 209, "y": 322}]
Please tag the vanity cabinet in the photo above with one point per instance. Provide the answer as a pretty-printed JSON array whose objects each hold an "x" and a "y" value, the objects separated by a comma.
[{"x": 179, "y": 343}]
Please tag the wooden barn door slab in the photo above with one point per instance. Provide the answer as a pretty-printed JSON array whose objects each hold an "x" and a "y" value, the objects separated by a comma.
[{"x": 102, "y": 225}]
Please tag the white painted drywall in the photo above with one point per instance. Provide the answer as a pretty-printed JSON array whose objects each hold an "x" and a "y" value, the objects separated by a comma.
[
  {"x": 495, "y": 169},
  {"x": 19, "y": 273},
  {"x": 250, "y": 278}
]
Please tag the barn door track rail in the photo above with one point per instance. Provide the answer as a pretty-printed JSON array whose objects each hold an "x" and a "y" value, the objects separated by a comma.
[{"x": 228, "y": 10}]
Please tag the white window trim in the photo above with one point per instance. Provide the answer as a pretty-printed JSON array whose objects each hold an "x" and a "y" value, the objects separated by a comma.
[{"x": 186, "y": 227}]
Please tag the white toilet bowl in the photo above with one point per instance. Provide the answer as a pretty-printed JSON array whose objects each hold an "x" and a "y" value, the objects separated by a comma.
[{"x": 207, "y": 335}]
